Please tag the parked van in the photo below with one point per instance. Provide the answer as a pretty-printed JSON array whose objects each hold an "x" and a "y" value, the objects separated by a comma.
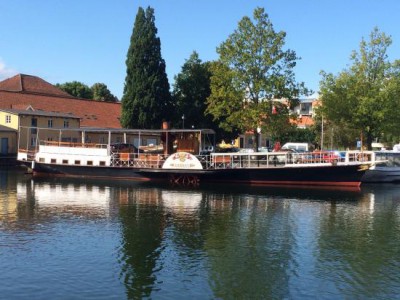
[{"x": 298, "y": 147}]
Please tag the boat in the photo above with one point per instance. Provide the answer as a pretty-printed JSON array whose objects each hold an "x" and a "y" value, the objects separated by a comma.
[
  {"x": 180, "y": 157},
  {"x": 387, "y": 171}
]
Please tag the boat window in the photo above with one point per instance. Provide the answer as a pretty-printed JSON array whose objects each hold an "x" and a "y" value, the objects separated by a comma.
[
  {"x": 65, "y": 161},
  {"x": 102, "y": 163},
  {"x": 391, "y": 159},
  {"x": 89, "y": 163},
  {"x": 41, "y": 159},
  {"x": 53, "y": 161},
  {"x": 77, "y": 162}
]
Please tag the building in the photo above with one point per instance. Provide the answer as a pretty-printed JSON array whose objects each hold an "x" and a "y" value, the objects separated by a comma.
[
  {"x": 304, "y": 113},
  {"x": 26, "y": 122},
  {"x": 27, "y": 100},
  {"x": 24, "y": 91},
  {"x": 8, "y": 140}
]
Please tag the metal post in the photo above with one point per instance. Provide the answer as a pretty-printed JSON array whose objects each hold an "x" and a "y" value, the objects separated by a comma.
[{"x": 322, "y": 132}]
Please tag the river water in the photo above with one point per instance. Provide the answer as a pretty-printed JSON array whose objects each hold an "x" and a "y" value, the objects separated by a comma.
[{"x": 80, "y": 239}]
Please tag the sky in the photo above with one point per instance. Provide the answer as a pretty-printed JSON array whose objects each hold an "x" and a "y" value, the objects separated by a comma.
[{"x": 87, "y": 40}]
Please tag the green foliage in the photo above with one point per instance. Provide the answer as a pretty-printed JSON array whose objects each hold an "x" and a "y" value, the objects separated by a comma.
[
  {"x": 335, "y": 135},
  {"x": 298, "y": 135},
  {"x": 191, "y": 90},
  {"x": 98, "y": 91},
  {"x": 146, "y": 101},
  {"x": 76, "y": 89},
  {"x": 252, "y": 71},
  {"x": 365, "y": 96},
  {"x": 102, "y": 93}
]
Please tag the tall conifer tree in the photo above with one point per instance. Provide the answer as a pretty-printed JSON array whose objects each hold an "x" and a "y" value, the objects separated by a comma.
[{"x": 146, "y": 100}]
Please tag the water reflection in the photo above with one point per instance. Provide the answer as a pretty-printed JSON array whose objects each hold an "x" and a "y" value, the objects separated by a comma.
[{"x": 230, "y": 242}]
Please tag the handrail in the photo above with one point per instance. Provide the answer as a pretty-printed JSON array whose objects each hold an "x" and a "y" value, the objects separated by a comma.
[{"x": 73, "y": 144}]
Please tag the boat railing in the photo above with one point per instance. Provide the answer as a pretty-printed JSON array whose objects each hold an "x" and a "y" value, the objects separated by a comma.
[
  {"x": 137, "y": 160},
  {"x": 73, "y": 144},
  {"x": 280, "y": 159},
  {"x": 246, "y": 160}
]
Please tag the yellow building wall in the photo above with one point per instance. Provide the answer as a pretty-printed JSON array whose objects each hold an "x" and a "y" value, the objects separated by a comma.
[
  {"x": 30, "y": 137},
  {"x": 14, "y": 120},
  {"x": 12, "y": 141}
]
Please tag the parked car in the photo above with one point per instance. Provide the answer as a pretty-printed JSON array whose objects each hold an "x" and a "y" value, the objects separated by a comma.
[
  {"x": 246, "y": 150},
  {"x": 263, "y": 149},
  {"x": 207, "y": 150},
  {"x": 227, "y": 149},
  {"x": 283, "y": 155}
]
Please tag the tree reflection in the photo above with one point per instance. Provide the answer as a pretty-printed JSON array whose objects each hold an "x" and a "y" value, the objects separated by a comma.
[
  {"x": 358, "y": 246},
  {"x": 249, "y": 248},
  {"x": 142, "y": 231}
]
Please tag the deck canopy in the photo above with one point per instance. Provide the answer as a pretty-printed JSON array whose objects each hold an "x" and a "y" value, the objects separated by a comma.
[{"x": 165, "y": 140}]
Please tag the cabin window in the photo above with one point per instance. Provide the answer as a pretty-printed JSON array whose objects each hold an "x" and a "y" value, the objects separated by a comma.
[
  {"x": 41, "y": 159},
  {"x": 77, "y": 162},
  {"x": 8, "y": 118},
  {"x": 53, "y": 161},
  {"x": 89, "y": 163},
  {"x": 102, "y": 163},
  {"x": 151, "y": 142},
  {"x": 65, "y": 161},
  {"x": 50, "y": 123}
]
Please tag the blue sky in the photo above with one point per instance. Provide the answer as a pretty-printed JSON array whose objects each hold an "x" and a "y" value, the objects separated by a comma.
[{"x": 87, "y": 40}]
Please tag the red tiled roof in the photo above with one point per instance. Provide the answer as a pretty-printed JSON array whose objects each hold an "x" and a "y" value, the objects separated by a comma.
[
  {"x": 31, "y": 84},
  {"x": 22, "y": 91}
]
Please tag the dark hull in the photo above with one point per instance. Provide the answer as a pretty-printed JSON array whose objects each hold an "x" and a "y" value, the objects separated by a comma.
[{"x": 349, "y": 175}]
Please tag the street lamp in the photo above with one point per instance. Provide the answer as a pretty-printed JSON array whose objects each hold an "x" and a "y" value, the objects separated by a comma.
[{"x": 183, "y": 121}]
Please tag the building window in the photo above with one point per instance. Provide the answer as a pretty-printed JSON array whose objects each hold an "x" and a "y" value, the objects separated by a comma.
[
  {"x": 8, "y": 119},
  {"x": 50, "y": 123},
  {"x": 66, "y": 123}
]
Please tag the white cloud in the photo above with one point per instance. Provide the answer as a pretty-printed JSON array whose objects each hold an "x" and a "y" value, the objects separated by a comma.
[{"x": 5, "y": 72}]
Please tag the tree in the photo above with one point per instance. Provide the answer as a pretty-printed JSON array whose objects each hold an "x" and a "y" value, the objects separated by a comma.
[
  {"x": 251, "y": 72},
  {"x": 76, "y": 89},
  {"x": 101, "y": 92},
  {"x": 146, "y": 100},
  {"x": 191, "y": 90},
  {"x": 365, "y": 97}
]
